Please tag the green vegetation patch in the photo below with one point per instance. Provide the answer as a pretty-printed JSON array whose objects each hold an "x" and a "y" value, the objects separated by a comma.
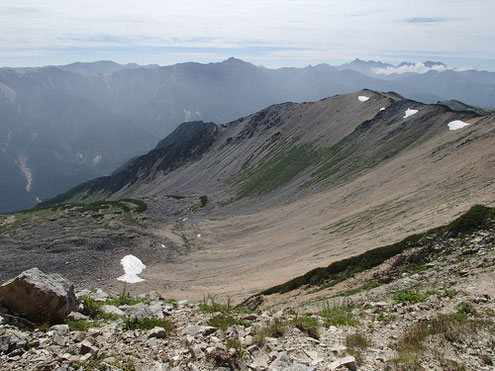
[
  {"x": 357, "y": 343},
  {"x": 223, "y": 322},
  {"x": 147, "y": 323},
  {"x": 478, "y": 217},
  {"x": 366, "y": 287},
  {"x": 211, "y": 305},
  {"x": 413, "y": 296},
  {"x": 279, "y": 166},
  {"x": 276, "y": 329},
  {"x": 339, "y": 315},
  {"x": 124, "y": 299},
  {"x": 11, "y": 223},
  {"x": 451, "y": 328},
  {"x": 307, "y": 324}
]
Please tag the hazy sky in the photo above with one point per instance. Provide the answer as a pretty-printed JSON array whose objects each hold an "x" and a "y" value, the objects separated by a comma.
[{"x": 273, "y": 33}]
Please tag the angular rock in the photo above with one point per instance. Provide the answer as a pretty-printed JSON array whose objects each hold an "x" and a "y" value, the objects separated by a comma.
[
  {"x": 76, "y": 316},
  {"x": 338, "y": 350},
  {"x": 199, "y": 330},
  {"x": 156, "y": 309},
  {"x": 99, "y": 295},
  {"x": 61, "y": 329},
  {"x": 39, "y": 297},
  {"x": 157, "y": 332},
  {"x": 196, "y": 351},
  {"x": 139, "y": 310},
  {"x": 285, "y": 363},
  {"x": 12, "y": 341},
  {"x": 87, "y": 347},
  {"x": 349, "y": 362},
  {"x": 112, "y": 310}
]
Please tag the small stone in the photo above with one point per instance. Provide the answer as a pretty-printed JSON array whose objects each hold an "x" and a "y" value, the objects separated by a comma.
[
  {"x": 99, "y": 295},
  {"x": 60, "y": 340},
  {"x": 248, "y": 340},
  {"x": 61, "y": 329},
  {"x": 157, "y": 332},
  {"x": 86, "y": 357},
  {"x": 349, "y": 362},
  {"x": 87, "y": 347},
  {"x": 338, "y": 350},
  {"x": 76, "y": 316},
  {"x": 199, "y": 330},
  {"x": 112, "y": 310},
  {"x": 196, "y": 352},
  {"x": 249, "y": 317}
]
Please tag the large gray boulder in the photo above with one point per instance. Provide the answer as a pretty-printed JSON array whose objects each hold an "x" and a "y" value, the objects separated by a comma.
[{"x": 38, "y": 297}]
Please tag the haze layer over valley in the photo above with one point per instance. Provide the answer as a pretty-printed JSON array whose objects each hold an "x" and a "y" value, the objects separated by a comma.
[{"x": 62, "y": 125}]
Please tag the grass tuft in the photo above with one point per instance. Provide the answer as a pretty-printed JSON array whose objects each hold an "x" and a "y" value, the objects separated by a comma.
[
  {"x": 339, "y": 315},
  {"x": 308, "y": 325},
  {"x": 223, "y": 322},
  {"x": 147, "y": 323}
]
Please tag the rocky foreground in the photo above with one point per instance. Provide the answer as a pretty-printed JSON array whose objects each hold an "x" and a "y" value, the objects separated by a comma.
[{"x": 430, "y": 308}]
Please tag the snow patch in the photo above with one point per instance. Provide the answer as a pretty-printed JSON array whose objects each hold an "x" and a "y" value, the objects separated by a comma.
[
  {"x": 199, "y": 235},
  {"x": 22, "y": 159},
  {"x": 457, "y": 124},
  {"x": 409, "y": 112},
  {"x": 382, "y": 109},
  {"x": 363, "y": 98},
  {"x": 163, "y": 245},
  {"x": 132, "y": 267}
]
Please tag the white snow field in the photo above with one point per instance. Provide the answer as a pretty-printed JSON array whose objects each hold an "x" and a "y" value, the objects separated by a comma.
[
  {"x": 409, "y": 112},
  {"x": 363, "y": 98},
  {"x": 132, "y": 267},
  {"x": 457, "y": 124}
]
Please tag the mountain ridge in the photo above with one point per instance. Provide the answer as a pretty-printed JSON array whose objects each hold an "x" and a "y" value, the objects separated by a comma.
[{"x": 129, "y": 106}]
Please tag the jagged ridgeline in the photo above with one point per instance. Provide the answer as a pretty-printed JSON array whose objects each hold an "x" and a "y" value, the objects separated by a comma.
[
  {"x": 64, "y": 125},
  {"x": 281, "y": 150}
]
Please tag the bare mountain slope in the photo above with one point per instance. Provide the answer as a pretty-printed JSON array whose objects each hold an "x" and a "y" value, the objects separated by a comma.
[{"x": 290, "y": 188}]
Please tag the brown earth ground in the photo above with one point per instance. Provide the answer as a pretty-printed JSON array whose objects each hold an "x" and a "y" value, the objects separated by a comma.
[{"x": 239, "y": 255}]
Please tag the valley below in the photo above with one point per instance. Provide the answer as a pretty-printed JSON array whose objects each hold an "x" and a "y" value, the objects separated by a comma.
[
  {"x": 264, "y": 210},
  {"x": 231, "y": 246}
]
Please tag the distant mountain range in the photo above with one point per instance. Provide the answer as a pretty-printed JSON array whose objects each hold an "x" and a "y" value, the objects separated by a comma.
[{"x": 63, "y": 125}]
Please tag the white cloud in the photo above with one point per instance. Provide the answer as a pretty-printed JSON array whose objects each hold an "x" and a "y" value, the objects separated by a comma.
[
  {"x": 307, "y": 31},
  {"x": 418, "y": 67}
]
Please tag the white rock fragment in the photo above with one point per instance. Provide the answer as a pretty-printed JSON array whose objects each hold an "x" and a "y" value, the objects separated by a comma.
[
  {"x": 409, "y": 112},
  {"x": 349, "y": 362},
  {"x": 457, "y": 124},
  {"x": 132, "y": 267},
  {"x": 363, "y": 98}
]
